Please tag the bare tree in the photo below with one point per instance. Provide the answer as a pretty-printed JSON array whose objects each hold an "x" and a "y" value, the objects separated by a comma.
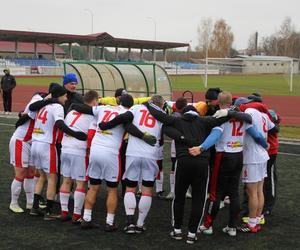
[
  {"x": 204, "y": 35},
  {"x": 285, "y": 42},
  {"x": 221, "y": 40}
]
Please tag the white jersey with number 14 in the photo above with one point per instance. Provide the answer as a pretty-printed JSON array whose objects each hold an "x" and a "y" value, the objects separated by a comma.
[{"x": 44, "y": 127}]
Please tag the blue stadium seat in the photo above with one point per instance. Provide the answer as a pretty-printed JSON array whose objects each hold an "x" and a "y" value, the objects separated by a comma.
[{"x": 34, "y": 62}]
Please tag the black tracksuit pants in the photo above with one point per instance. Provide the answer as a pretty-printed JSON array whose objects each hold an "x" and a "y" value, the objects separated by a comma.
[
  {"x": 7, "y": 100},
  {"x": 225, "y": 181},
  {"x": 190, "y": 171},
  {"x": 270, "y": 184}
]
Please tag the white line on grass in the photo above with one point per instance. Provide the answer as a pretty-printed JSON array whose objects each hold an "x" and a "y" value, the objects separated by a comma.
[
  {"x": 289, "y": 154},
  {"x": 7, "y": 124}
]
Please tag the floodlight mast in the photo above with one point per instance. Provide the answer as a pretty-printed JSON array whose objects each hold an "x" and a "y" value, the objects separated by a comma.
[
  {"x": 154, "y": 22},
  {"x": 206, "y": 66},
  {"x": 291, "y": 75},
  {"x": 92, "y": 16}
]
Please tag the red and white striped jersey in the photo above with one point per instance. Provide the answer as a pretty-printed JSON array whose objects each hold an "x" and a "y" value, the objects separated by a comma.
[
  {"x": 111, "y": 139},
  {"x": 232, "y": 138},
  {"x": 44, "y": 127},
  {"x": 24, "y": 132},
  {"x": 77, "y": 122},
  {"x": 146, "y": 123}
]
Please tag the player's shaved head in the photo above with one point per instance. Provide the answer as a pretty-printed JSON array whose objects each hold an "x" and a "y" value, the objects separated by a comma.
[
  {"x": 158, "y": 100},
  {"x": 90, "y": 96},
  {"x": 224, "y": 98}
]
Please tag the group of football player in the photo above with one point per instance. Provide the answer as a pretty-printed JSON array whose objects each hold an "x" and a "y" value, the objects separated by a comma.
[{"x": 81, "y": 142}]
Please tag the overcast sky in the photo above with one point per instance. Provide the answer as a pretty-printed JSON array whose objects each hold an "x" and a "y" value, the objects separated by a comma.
[{"x": 177, "y": 20}]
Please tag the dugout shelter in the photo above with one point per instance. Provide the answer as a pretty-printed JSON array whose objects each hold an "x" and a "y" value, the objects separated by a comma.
[{"x": 139, "y": 78}]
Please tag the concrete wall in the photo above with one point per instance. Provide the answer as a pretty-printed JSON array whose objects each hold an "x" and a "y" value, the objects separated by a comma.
[{"x": 269, "y": 67}]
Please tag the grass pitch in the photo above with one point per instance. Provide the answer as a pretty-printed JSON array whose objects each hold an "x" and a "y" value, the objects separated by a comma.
[
  {"x": 24, "y": 232},
  {"x": 263, "y": 84}
]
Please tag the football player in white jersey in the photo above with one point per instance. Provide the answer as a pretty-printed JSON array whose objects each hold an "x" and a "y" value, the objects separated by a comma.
[
  {"x": 140, "y": 162},
  {"x": 20, "y": 149},
  {"x": 49, "y": 120},
  {"x": 254, "y": 171},
  {"x": 104, "y": 162},
  {"x": 74, "y": 160},
  {"x": 228, "y": 140}
]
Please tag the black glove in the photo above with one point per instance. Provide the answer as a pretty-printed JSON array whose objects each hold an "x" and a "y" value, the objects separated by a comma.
[
  {"x": 102, "y": 125},
  {"x": 149, "y": 139},
  {"x": 80, "y": 135}
]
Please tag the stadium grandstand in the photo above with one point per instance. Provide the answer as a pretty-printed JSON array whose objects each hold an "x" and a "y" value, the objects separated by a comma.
[{"x": 46, "y": 41}]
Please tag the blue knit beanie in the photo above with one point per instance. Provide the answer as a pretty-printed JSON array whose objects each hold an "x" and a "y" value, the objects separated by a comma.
[{"x": 70, "y": 77}]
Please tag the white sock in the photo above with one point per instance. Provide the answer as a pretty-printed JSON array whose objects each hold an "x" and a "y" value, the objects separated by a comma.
[
  {"x": 159, "y": 183},
  {"x": 191, "y": 234},
  {"x": 252, "y": 222},
  {"x": 172, "y": 182},
  {"x": 178, "y": 231},
  {"x": 28, "y": 186},
  {"x": 16, "y": 187},
  {"x": 87, "y": 214},
  {"x": 64, "y": 201},
  {"x": 110, "y": 218},
  {"x": 144, "y": 207},
  {"x": 79, "y": 196},
  {"x": 129, "y": 203}
]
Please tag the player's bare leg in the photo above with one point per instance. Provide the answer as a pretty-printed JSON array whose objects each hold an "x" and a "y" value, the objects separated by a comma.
[
  {"x": 29, "y": 185},
  {"x": 261, "y": 201},
  {"x": 36, "y": 211},
  {"x": 111, "y": 206},
  {"x": 144, "y": 207},
  {"x": 89, "y": 202},
  {"x": 253, "y": 206},
  {"x": 16, "y": 187},
  {"x": 79, "y": 196},
  {"x": 64, "y": 195}
]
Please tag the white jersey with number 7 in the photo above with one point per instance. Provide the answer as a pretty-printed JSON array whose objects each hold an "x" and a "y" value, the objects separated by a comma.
[
  {"x": 145, "y": 122},
  {"x": 77, "y": 122}
]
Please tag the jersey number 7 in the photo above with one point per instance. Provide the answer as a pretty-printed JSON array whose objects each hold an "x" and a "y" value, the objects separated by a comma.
[{"x": 77, "y": 115}]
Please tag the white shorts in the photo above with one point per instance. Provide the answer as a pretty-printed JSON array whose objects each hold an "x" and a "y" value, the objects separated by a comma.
[
  {"x": 253, "y": 173},
  {"x": 19, "y": 152},
  {"x": 104, "y": 165},
  {"x": 44, "y": 156},
  {"x": 73, "y": 166},
  {"x": 139, "y": 168}
]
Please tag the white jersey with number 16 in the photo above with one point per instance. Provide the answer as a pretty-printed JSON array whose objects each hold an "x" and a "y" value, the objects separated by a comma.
[{"x": 146, "y": 123}]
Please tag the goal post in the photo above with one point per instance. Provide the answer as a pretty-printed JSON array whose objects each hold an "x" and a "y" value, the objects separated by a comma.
[{"x": 281, "y": 69}]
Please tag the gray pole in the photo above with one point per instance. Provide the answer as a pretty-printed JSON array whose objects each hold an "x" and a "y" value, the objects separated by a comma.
[{"x": 92, "y": 16}]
